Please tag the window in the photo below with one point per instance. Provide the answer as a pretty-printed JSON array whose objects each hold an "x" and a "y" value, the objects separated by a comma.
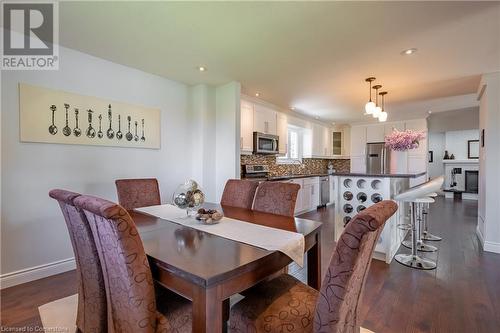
[{"x": 294, "y": 147}]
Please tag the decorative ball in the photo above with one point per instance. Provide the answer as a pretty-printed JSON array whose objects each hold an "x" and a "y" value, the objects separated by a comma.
[{"x": 188, "y": 196}]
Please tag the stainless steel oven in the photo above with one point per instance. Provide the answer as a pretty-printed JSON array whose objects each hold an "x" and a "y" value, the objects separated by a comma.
[{"x": 265, "y": 143}]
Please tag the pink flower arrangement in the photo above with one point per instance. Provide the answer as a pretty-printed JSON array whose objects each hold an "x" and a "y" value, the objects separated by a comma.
[{"x": 404, "y": 140}]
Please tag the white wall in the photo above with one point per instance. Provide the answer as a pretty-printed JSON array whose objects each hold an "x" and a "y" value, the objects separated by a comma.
[
  {"x": 202, "y": 120},
  {"x": 32, "y": 228},
  {"x": 454, "y": 120},
  {"x": 227, "y": 150},
  {"x": 436, "y": 145},
  {"x": 456, "y": 142},
  {"x": 489, "y": 163}
]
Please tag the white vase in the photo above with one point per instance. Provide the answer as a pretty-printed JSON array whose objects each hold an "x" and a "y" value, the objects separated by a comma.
[{"x": 399, "y": 161}]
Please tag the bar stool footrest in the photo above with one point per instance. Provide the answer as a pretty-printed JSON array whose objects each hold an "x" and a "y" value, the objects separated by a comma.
[{"x": 415, "y": 261}]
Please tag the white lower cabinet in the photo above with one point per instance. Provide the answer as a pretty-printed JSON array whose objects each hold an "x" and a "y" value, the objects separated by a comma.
[{"x": 308, "y": 196}]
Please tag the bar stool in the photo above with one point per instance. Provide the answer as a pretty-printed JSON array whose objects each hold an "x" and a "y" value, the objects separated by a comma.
[
  {"x": 416, "y": 196},
  {"x": 426, "y": 235},
  {"x": 420, "y": 245}
]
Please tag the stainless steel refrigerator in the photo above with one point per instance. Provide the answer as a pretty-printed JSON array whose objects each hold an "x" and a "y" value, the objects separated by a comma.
[{"x": 378, "y": 158}]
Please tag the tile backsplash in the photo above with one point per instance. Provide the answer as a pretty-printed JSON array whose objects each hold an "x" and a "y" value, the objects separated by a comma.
[{"x": 308, "y": 166}]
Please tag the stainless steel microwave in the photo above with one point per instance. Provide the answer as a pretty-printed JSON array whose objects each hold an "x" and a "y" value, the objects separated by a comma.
[{"x": 265, "y": 143}]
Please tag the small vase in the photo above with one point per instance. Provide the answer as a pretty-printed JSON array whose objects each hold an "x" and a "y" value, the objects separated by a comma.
[
  {"x": 446, "y": 156},
  {"x": 452, "y": 157}
]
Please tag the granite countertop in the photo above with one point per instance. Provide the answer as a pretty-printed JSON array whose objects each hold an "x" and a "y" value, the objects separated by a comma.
[{"x": 347, "y": 174}]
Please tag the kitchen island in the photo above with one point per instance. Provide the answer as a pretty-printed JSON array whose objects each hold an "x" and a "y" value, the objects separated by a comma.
[
  {"x": 351, "y": 193},
  {"x": 355, "y": 192}
]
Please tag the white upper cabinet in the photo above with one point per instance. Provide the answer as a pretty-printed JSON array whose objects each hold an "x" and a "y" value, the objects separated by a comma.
[
  {"x": 417, "y": 125},
  {"x": 282, "y": 130},
  {"x": 246, "y": 139},
  {"x": 358, "y": 140},
  {"x": 321, "y": 142},
  {"x": 264, "y": 119},
  {"x": 375, "y": 133},
  {"x": 389, "y": 128}
]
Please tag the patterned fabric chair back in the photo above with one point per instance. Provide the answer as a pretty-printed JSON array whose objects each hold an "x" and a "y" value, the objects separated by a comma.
[
  {"x": 135, "y": 193},
  {"x": 91, "y": 315},
  {"x": 239, "y": 193},
  {"x": 337, "y": 307},
  {"x": 127, "y": 276},
  {"x": 276, "y": 198}
]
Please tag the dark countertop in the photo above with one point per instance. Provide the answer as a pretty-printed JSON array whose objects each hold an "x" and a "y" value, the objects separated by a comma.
[
  {"x": 346, "y": 174},
  {"x": 384, "y": 175}
]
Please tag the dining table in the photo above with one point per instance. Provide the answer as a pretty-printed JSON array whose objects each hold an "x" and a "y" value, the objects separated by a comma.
[{"x": 208, "y": 269}]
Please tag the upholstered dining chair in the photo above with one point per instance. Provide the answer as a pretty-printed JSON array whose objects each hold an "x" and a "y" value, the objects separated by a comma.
[
  {"x": 239, "y": 193},
  {"x": 128, "y": 281},
  {"x": 91, "y": 313},
  {"x": 286, "y": 304},
  {"x": 135, "y": 193},
  {"x": 276, "y": 198}
]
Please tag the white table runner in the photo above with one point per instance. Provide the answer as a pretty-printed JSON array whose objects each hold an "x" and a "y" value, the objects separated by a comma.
[{"x": 272, "y": 239}]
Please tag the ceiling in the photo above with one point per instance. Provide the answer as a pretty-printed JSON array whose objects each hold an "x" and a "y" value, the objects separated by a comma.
[{"x": 313, "y": 56}]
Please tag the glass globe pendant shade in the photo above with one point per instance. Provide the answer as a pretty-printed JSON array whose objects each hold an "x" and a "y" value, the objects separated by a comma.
[
  {"x": 382, "y": 116},
  {"x": 369, "y": 107},
  {"x": 376, "y": 111}
]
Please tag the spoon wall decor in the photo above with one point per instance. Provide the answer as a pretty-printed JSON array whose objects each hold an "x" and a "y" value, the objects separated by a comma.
[
  {"x": 129, "y": 135},
  {"x": 99, "y": 133},
  {"x": 77, "y": 131},
  {"x": 110, "y": 133},
  {"x": 90, "y": 130},
  {"x": 143, "y": 138},
  {"x": 119, "y": 134},
  {"x": 53, "y": 127},
  {"x": 136, "y": 137},
  {"x": 66, "y": 130}
]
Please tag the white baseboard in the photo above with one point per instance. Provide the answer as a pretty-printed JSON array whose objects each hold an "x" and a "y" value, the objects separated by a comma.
[
  {"x": 38, "y": 272},
  {"x": 492, "y": 247},
  {"x": 487, "y": 245}
]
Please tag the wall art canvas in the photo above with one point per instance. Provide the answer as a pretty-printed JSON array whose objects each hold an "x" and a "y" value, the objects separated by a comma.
[{"x": 53, "y": 116}]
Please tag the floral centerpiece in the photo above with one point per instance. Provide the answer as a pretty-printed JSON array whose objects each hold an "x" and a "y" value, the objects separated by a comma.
[{"x": 403, "y": 140}]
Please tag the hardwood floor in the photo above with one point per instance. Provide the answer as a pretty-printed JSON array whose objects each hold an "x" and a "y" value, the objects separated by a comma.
[{"x": 461, "y": 295}]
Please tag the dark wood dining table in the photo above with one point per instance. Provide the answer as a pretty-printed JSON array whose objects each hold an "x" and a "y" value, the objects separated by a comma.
[{"x": 209, "y": 269}]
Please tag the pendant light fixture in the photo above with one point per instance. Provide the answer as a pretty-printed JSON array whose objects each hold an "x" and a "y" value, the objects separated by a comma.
[
  {"x": 370, "y": 106},
  {"x": 376, "y": 111},
  {"x": 383, "y": 115}
]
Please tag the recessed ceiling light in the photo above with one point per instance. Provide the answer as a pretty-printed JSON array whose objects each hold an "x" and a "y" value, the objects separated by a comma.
[
  {"x": 257, "y": 94},
  {"x": 292, "y": 108},
  {"x": 202, "y": 68},
  {"x": 429, "y": 112},
  {"x": 409, "y": 51}
]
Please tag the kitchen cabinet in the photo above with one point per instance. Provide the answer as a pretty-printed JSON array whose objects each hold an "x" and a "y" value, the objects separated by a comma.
[
  {"x": 417, "y": 125},
  {"x": 358, "y": 140},
  {"x": 333, "y": 187},
  {"x": 308, "y": 196},
  {"x": 389, "y": 128},
  {"x": 358, "y": 164},
  {"x": 246, "y": 135},
  {"x": 282, "y": 131},
  {"x": 375, "y": 133},
  {"x": 337, "y": 148},
  {"x": 264, "y": 119},
  {"x": 321, "y": 141}
]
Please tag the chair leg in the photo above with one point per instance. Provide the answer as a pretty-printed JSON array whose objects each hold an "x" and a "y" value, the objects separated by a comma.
[
  {"x": 421, "y": 246},
  {"x": 413, "y": 260},
  {"x": 426, "y": 235}
]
